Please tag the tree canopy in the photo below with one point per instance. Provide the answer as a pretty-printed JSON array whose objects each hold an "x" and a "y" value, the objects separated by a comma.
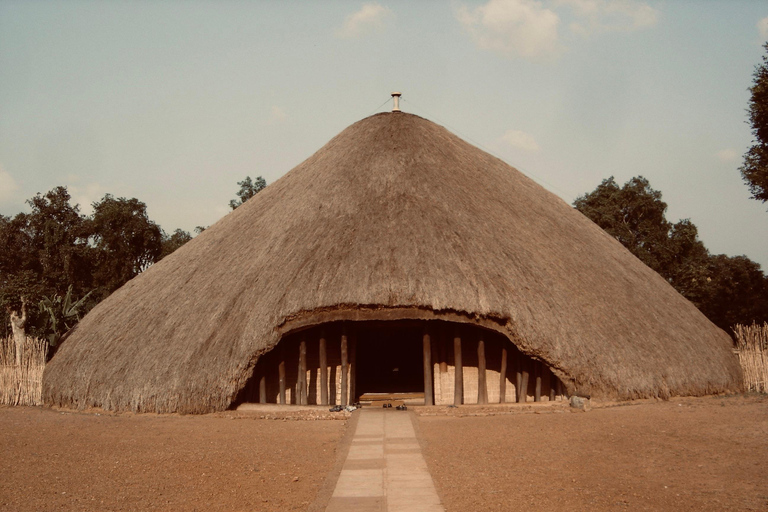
[
  {"x": 755, "y": 167},
  {"x": 728, "y": 290},
  {"x": 56, "y": 257},
  {"x": 248, "y": 189}
]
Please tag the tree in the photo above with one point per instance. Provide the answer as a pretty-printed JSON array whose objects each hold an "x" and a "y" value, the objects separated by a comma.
[
  {"x": 172, "y": 242},
  {"x": 41, "y": 252},
  {"x": 728, "y": 290},
  {"x": 127, "y": 242},
  {"x": 755, "y": 168},
  {"x": 60, "y": 314},
  {"x": 634, "y": 215},
  {"x": 737, "y": 292},
  {"x": 248, "y": 189}
]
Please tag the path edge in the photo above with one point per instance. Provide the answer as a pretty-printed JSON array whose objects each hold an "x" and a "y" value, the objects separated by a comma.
[{"x": 326, "y": 490}]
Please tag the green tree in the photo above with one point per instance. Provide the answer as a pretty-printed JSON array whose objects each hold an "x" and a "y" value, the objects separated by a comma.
[
  {"x": 633, "y": 214},
  {"x": 59, "y": 314},
  {"x": 42, "y": 252},
  {"x": 755, "y": 167},
  {"x": 728, "y": 290},
  {"x": 248, "y": 189},
  {"x": 126, "y": 241},
  {"x": 737, "y": 292},
  {"x": 174, "y": 241}
]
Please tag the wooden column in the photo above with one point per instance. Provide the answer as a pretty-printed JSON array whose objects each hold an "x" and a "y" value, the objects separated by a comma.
[
  {"x": 442, "y": 349},
  {"x": 301, "y": 381},
  {"x": 458, "y": 382},
  {"x": 503, "y": 376},
  {"x": 518, "y": 375},
  {"x": 426, "y": 342},
  {"x": 552, "y": 380},
  {"x": 344, "y": 369},
  {"x": 537, "y": 373},
  {"x": 352, "y": 366},
  {"x": 323, "y": 371},
  {"x": 482, "y": 389},
  {"x": 263, "y": 389},
  {"x": 281, "y": 380},
  {"x": 524, "y": 370}
]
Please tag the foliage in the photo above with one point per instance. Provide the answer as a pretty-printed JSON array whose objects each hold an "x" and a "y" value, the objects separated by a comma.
[
  {"x": 755, "y": 168},
  {"x": 172, "y": 242},
  {"x": 248, "y": 189},
  {"x": 55, "y": 248},
  {"x": 633, "y": 215},
  {"x": 127, "y": 242},
  {"x": 60, "y": 314},
  {"x": 728, "y": 290}
]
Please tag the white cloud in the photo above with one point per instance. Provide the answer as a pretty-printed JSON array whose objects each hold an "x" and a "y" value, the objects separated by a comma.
[
  {"x": 86, "y": 195},
  {"x": 595, "y": 16},
  {"x": 8, "y": 185},
  {"x": 372, "y": 17},
  {"x": 727, "y": 155},
  {"x": 762, "y": 26},
  {"x": 520, "y": 140},
  {"x": 276, "y": 115},
  {"x": 522, "y": 28}
]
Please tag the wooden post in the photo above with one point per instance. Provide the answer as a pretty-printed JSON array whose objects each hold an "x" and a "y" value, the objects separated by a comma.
[
  {"x": 302, "y": 380},
  {"x": 281, "y": 380},
  {"x": 503, "y": 375},
  {"x": 344, "y": 368},
  {"x": 263, "y": 389},
  {"x": 427, "y": 350},
  {"x": 482, "y": 389},
  {"x": 442, "y": 350},
  {"x": 323, "y": 371},
  {"x": 458, "y": 370},
  {"x": 552, "y": 380},
  {"x": 518, "y": 375},
  {"x": 537, "y": 373},
  {"x": 524, "y": 368},
  {"x": 352, "y": 366}
]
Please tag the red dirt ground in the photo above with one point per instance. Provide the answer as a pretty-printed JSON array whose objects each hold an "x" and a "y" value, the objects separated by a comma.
[
  {"x": 53, "y": 460},
  {"x": 696, "y": 454},
  {"x": 685, "y": 454}
]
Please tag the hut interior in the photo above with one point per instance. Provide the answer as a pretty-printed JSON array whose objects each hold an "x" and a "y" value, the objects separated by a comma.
[{"x": 418, "y": 362}]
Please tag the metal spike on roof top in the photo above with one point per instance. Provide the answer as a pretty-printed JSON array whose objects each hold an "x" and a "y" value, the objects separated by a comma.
[{"x": 396, "y": 99}]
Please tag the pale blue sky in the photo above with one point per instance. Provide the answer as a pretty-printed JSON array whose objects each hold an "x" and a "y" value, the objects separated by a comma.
[{"x": 173, "y": 102}]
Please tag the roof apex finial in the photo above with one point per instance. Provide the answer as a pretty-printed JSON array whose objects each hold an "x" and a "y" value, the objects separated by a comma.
[{"x": 396, "y": 98}]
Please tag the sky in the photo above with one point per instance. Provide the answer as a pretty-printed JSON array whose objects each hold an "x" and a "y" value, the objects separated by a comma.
[{"x": 174, "y": 102}]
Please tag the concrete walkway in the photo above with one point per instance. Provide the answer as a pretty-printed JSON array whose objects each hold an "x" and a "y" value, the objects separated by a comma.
[{"x": 385, "y": 470}]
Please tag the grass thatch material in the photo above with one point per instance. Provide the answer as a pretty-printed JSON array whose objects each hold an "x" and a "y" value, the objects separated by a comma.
[
  {"x": 752, "y": 343},
  {"x": 22, "y": 384},
  {"x": 394, "y": 213}
]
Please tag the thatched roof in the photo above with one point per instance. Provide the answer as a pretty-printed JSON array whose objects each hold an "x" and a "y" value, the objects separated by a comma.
[{"x": 394, "y": 218}]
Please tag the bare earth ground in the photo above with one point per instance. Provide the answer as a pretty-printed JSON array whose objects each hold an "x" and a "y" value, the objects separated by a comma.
[
  {"x": 685, "y": 454},
  {"x": 53, "y": 460}
]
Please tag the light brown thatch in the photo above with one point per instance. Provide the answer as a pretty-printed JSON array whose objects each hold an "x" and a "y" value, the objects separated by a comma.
[{"x": 395, "y": 217}]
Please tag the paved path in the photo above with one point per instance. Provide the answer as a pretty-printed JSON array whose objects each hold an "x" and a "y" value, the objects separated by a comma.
[{"x": 385, "y": 470}]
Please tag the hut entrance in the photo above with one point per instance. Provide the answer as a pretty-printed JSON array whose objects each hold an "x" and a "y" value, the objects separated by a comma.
[
  {"x": 341, "y": 363},
  {"x": 389, "y": 360}
]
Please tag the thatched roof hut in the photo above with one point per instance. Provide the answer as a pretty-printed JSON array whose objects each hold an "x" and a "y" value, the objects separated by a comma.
[{"x": 394, "y": 219}]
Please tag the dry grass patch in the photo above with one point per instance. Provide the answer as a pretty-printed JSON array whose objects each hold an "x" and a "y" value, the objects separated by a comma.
[
  {"x": 752, "y": 343},
  {"x": 21, "y": 384}
]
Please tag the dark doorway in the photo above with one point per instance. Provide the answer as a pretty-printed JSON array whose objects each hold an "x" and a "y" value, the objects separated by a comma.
[{"x": 389, "y": 360}]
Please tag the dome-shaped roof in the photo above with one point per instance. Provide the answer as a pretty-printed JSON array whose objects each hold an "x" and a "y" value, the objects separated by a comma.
[{"x": 394, "y": 217}]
